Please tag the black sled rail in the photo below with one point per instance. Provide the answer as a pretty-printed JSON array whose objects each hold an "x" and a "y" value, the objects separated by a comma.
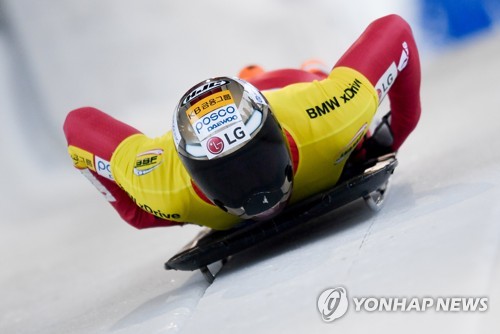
[{"x": 212, "y": 246}]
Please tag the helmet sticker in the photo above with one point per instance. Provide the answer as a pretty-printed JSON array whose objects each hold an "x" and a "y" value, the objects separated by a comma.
[
  {"x": 208, "y": 104},
  {"x": 216, "y": 120},
  {"x": 216, "y": 117},
  {"x": 225, "y": 140},
  {"x": 202, "y": 89},
  {"x": 215, "y": 145}
]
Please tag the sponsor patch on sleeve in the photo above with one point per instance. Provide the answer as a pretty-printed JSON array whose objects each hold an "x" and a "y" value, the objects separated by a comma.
[
  {"x": 148, "y": 161},
  {"x": 81, "y": 159},
  {"x": 103, "y": 168},
  {"x": 386, "y": 80},
  {"x": 405, "y": 56}
]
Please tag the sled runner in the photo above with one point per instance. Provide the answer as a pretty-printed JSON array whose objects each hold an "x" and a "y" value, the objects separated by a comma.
[{"x": 211, "y": 248}]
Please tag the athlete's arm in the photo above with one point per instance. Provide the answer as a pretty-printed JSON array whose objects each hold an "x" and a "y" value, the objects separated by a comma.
[
  {"x": 282, "y": 78},
  {"x": 92, "y": 137},
  {"x": 386, "y": 54}
]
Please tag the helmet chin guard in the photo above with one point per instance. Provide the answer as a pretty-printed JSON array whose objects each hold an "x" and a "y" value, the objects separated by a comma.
[{"x": 233, "y": 147}]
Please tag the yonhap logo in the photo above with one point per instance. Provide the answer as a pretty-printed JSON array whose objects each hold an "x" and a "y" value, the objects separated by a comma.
[{"x": 333, "y": 304}]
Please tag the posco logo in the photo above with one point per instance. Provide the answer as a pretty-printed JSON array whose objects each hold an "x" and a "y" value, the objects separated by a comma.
[{"x": 216, "y": 119}]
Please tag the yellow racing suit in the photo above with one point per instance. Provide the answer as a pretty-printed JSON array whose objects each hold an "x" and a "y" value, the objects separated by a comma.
[{"x": 325, "y": 119}]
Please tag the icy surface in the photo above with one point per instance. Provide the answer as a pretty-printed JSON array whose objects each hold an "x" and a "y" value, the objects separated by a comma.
[{"x": 69, "y": 265}]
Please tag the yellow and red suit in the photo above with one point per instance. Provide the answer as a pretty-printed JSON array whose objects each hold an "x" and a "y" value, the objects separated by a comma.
[{"x": 324, "y": 116}]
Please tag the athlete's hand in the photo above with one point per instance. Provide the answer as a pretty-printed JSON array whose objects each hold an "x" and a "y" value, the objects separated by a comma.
[{"x": 380, "y": 142}]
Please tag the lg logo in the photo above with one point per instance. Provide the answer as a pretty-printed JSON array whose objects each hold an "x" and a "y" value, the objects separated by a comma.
[{"x": 215, "y": 145}]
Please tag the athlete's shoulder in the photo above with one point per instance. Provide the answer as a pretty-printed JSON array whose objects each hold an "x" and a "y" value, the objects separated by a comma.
[
  {"x": 139, "y": 154},
  {"x": 341, "y": 85}
]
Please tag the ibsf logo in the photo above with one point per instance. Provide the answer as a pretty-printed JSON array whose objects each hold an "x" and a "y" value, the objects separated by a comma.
[
  {"x": 333, "y": 304},
  {"x": 146, "y": 162}
]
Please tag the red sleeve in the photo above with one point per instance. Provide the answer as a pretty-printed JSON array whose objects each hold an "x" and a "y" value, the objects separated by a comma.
[
  {"x": 93, "y": 131},
  {"x": 385, "y": 53},
  {"x": 282, "y": 78},
  {"x": 388, "y": 43}
]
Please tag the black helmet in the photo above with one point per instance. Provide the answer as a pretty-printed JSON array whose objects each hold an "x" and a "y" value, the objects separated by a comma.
[{"x": 233, "y": 147}]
